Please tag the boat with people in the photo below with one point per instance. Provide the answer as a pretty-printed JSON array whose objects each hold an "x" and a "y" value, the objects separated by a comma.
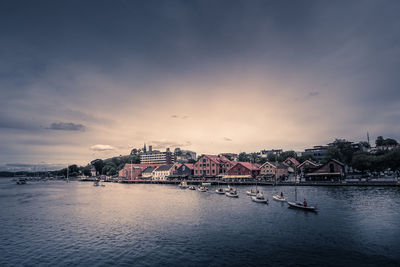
[
  {"x": 279, "y": 197},
  {"x": 231, "y": 193},
  {"x": 202, "y": 189},
  {"x": 259, "y": 198},
  {"x": 192, "y": 187},
  {"x": 220, "y": 191},
  {"x": 303, "y": 206},
  {"x": 183, "y": 185}
]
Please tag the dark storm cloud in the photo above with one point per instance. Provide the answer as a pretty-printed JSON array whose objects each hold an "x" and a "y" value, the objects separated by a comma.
[{"x": 66, "y": 126}]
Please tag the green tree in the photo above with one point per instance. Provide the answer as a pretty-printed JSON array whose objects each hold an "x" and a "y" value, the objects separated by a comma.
[
  {"x": 341, "y": 150},
  {"x": 379, "y": 141},
  {"x": 272, "y": 157},
  {"x": 287, "y": 154},
  {"x": 243, "y": 157},
  {"x": 98, "y": 165}
]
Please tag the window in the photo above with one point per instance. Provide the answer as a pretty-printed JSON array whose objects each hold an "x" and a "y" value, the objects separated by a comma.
[
  {"x": 213, "y": 164},
  {"x": 213, "y": 171},
  {"x": 208, "y": 165},
  {"x": 208, "y": 171}
]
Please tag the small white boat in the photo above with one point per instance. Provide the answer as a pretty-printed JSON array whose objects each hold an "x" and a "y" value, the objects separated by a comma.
[
  {"x": 253, "y": 192},
  {"x": 183, "y": 185},
  {"x": 202, "y": 189},
  {"x": 259, "y": 198},
  {"x": 192, "y": 187},
  {"x": 232, "y": 193},
  {"x": 300, "y": 205},
  {"x": 220, "y": 191},
  {"x": 279, "y": 198}
]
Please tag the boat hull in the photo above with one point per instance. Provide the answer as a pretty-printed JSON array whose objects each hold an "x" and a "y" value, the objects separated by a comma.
[
  {"x": 255, "y": 199},
  {"x": 279, "y": 198},
  {"x": 228, "y": 194},
  {"x": 301, "y": 206}
]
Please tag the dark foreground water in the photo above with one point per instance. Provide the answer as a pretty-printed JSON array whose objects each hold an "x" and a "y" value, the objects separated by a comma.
[{"x": 66, "y": 224}]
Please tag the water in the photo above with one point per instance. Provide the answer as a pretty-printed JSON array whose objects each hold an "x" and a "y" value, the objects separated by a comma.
[{"x": 66, "y": 224}]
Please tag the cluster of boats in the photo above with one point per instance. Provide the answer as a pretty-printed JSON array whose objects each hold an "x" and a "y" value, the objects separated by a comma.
[{"x": 255, "y": 194}]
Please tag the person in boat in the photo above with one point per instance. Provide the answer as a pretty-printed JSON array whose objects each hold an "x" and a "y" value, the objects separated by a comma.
[
  {"x": 281, "y": 195},
  {"x": 305, "y": 203}
]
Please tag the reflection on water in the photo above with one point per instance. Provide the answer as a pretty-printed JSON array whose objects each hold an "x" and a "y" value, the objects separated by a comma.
[{"x": 57, "y": 223}]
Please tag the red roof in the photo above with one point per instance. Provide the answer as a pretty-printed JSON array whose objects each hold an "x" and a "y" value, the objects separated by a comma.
[
  {"x": 141, "y": 166},
  {"x": 189, "y": 165},
  {"x": 248, "y": 165},
  {"x": 218, "y": 159},
  {"x": 294, "y": 161}
]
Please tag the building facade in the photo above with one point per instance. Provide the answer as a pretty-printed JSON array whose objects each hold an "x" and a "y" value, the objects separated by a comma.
[
  {"x": 332, "y": 170},
  {"x": 274, "y": 170},
  {"x": 244, "y": 169},
  {"x": 318, "y": 152},
  {"x": 157, "y": 157},
  {"x": 163, "y": 172},
  {"x": 211, "y": 166}
]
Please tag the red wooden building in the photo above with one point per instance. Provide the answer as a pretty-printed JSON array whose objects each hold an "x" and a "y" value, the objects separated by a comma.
[{"x": 211, "y": 166}]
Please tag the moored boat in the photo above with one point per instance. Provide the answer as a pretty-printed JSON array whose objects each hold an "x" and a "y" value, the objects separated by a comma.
[
  {"x": 300, "y": 205},
  {"x": 202, "y": 189},
  {"x": 228, "y": 189},
  {"x": 192, "y": 187},
  {"x": 279, "y": 198},
  {"x": 220, "y": 191},
  {"x": 259, "y": 198},
  {"x": 232, "y": 193}
]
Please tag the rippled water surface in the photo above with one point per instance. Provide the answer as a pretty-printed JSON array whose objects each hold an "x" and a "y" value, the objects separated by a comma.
[{"x": 65, "y": 224}]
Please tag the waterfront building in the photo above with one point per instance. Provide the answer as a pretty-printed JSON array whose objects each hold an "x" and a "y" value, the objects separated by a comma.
[
  {"x": 184, "y": 170},
  {"x": 93, "y": 171},
  {"x": 274, "y": 170},
  {"x": 163, "y": 172},
  {"x": 291, "y": 162},
  {"x": 130, "y": 172},
  {"x": 157, "y": 157},
  {"x": 211, "y": 166},
  {"x": 134, "y": 170},
  {"x": 307, "y": 166},
  {"x": 318, "y": 152},
  {"x": 248, "y": 169},
  {"x": 230, "y": 156},
  {"x": 332, "y": 170},
  {"x": 148, "y": 172}
]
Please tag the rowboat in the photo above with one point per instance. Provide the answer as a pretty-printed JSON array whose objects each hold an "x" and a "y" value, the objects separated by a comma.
[
  {"x": 219, "y": 191},
  {"x": 202, "y": 189}
]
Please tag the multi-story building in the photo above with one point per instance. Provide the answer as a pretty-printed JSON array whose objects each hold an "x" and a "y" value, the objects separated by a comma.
[
  {"x": 244, "y": 169},
  {"x": 264, "y": 153},
  {"x": 275, "y": 170},
  {"x": 211, "y": 165},
  {"x": 157, "y": 157},
  {"x": 163, "y": 172},
  {"x": 318, "y": 152}
]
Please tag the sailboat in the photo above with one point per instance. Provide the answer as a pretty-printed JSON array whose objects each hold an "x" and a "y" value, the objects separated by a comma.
[
  {"x": 298, "y": 205},
  {"x": 232, "y": 193},
  {"x": 253, "y": 192}
]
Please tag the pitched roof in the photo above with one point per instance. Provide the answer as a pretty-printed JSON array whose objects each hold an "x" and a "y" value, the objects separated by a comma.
[
  {"x": 166, "y": 167},
  {"x": 220, "y": 159},
  {"x": 294, "y": 161},
  {"x": 149, "y": 169},
  {"x": 189, "y": 165},
  {"x": 141, "y": 166},
  {"x": 309, "y": 162},
  {"x": 248, "y": 165},
  {"x": 278, "y": 165}
]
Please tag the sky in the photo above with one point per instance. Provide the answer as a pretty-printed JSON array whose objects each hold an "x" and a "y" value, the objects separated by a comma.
[{"x": 81, "y": 80}]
